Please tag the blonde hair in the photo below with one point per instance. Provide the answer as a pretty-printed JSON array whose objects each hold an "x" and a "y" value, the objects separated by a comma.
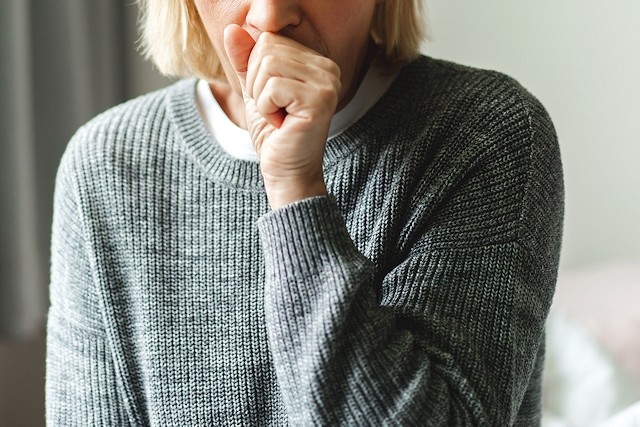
[{"x": 175, "y": 40}]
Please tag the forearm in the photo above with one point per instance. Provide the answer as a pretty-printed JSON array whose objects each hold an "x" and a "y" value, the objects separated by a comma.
[{"x": 344, "y": 357}]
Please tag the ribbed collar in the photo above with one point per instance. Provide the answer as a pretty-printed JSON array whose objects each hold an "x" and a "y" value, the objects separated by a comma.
[{"x": 374, "y": 127}]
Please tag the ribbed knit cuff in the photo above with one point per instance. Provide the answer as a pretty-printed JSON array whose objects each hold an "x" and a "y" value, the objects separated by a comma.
[{"x": 300, "y": 238}]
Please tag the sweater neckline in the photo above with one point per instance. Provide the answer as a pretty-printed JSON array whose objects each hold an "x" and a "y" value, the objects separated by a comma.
[{"x": 223, "y": 168}]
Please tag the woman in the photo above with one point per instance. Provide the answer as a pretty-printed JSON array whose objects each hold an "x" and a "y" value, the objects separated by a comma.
[{"x": 378, "y": 247}]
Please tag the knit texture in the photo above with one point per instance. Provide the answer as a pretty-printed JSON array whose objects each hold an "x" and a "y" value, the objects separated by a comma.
[{"x": 415, "y": 294}]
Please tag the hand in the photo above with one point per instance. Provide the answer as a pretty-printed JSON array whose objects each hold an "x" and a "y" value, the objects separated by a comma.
[{"x": 291, "y": 93}]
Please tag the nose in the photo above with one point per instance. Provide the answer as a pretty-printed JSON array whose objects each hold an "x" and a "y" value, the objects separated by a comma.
[{"x": 273, "y": 16}]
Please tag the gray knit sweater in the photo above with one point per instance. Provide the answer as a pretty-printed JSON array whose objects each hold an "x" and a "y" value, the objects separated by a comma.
[{"x": 415, "y": 294}]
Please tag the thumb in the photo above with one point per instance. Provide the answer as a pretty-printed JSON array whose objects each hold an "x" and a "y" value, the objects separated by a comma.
[{"x": 238, "y": 45}]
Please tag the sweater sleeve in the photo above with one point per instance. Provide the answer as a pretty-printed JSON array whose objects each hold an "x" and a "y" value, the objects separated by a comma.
[
  {"x": 81, "y": 386},
  {"x": 450, "y": 336}
]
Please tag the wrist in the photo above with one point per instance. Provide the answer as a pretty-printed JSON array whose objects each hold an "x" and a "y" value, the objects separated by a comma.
[{"x": 280, "y": 194}]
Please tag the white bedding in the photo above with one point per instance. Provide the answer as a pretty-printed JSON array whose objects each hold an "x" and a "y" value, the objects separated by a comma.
[
  {"x": 592, "y": 367},
  {"x": 583, "y": 385}
]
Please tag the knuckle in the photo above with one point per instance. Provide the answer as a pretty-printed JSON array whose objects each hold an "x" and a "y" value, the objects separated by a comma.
[
  {"x": 330, "y": 66},
  {"x": 270, "y": 85},
  {"x": 327, "y": 95},
  {"x": 266, "y": 38},
  {"x": 269, "y": 62},
  {"x": 262, "y": 46},
  {"x": 336, "y": 83}
]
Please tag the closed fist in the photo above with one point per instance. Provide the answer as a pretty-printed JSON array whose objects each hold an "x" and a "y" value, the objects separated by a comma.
[{"x": 291, "y": 93}]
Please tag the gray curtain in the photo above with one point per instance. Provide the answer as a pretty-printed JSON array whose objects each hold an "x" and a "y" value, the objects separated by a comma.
[{"x": 61, "y": 62}]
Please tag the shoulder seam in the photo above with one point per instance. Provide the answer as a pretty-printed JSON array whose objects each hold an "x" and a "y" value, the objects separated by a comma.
[{"x": 524, "y": 234}]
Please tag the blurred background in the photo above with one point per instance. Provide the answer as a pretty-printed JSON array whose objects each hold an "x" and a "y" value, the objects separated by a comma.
[{"x": 64, "y": 61}]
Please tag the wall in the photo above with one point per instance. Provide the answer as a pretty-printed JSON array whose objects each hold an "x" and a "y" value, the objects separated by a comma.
[
  {"x": 581, "y": 58},
  {"x": 81, "y": 59}
]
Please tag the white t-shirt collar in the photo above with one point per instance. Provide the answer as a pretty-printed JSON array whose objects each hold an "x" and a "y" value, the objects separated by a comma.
[{"x": 236, "y": 141}]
